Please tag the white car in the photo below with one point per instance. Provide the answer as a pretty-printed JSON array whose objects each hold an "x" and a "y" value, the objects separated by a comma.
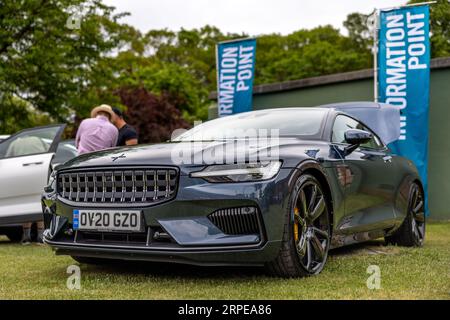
[{"x": 26, "y": 161}]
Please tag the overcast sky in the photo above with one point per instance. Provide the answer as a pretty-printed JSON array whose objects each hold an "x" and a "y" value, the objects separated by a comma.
[{"x": 253, "y": 17}]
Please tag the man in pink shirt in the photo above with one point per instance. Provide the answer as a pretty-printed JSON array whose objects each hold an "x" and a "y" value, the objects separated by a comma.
[{"x": 97, "y": 133}]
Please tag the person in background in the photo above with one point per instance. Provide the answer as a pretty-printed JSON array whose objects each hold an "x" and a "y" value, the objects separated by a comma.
[
  {"x": 97, "y": 133},
  {"x": 26, "y": 236},
  {"x": 127, "y": 134}
]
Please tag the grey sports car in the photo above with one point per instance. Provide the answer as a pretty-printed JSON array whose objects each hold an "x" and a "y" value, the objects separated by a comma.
[{"x": 310, "y": 180}]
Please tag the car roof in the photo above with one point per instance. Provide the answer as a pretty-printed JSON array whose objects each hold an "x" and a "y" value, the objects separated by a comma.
[
  {"x": 353, "y": 104},
  {"x": 282, "y": 109},
  {"x": 337, "y": 106},
  {"x": 381, "y": 118}
]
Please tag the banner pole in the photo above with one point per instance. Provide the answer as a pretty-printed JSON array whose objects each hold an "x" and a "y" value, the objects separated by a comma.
[
  {"x": 217, "y": 80},
  {"x": 373, "y": 25},
  {"x": 375, "y": 56}
]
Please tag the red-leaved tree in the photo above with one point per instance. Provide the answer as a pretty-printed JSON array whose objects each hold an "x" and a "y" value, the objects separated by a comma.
[{"x": 154, "y": 118}]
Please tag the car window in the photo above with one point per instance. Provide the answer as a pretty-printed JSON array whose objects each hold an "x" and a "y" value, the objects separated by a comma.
[
  {"x": 343, "y": 123},
  {"x": 29, "y": 142}
]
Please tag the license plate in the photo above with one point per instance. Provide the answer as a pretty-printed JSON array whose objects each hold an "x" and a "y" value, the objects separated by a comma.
[{"x": 107, "y": 220}]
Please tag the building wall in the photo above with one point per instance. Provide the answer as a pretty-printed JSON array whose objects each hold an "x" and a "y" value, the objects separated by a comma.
[
  {"x": 439, "y": 143},
  {"x": 362, "y": 90}
]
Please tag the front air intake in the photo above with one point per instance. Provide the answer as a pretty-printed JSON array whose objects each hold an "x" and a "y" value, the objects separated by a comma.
[{"x": 237, "y": 221}]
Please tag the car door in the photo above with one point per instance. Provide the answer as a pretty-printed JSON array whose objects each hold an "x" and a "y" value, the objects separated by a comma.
[
  {"x": 24, "y": 169},
  {"x": 370, "y": 182}
]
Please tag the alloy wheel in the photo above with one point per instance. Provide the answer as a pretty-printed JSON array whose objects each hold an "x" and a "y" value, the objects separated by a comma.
[
  {"x": 417, "y": 211},
  {"x": 311, "y": 227}
]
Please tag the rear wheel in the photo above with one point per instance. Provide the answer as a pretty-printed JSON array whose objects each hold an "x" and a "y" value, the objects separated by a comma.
[
  {"x": 412, "y": 231},
  {"x": 306, "y": 238}
]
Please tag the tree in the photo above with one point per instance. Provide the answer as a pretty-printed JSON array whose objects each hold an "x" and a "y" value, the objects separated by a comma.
[
  {"x": 358, "y": 31},
  {"x": 45, "y": 58},
  {"x": 17, "y": 114},
  {"x": 192, "y": 49},
  {"x": 57, "y": 72},
  {"x": 307, "y": 53},
  {"x": 153, "y": 117}
]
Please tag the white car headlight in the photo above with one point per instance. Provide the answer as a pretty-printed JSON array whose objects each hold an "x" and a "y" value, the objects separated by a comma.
[{"x": 239, "y": 172}]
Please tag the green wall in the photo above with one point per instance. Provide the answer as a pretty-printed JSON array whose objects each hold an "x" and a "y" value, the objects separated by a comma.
[
  {"x": 439, "y": 152},
  {"x": 362, "y": 90},
  {"x": 313, "y": 96}
]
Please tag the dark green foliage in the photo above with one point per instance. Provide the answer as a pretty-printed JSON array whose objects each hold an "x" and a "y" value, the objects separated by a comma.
[
  {"x": 307, "y": 53},
  {"x": 42, "y": 61},
  {"x": 49, "y": 72},
  {"x": 155, "y": 118}
]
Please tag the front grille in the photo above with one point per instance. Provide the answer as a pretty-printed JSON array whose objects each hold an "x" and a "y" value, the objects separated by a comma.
[
  {"x": 236, "y": 221},
  {"x": 122, "y": 186}
]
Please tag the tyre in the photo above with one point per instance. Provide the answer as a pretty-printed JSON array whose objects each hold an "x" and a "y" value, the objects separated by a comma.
[
  {"x": 14, "y": 235},
  {"x": 307, "y": 231},
  {"x": 412, "y": 231},
  {"x": 93, "y": 261}
]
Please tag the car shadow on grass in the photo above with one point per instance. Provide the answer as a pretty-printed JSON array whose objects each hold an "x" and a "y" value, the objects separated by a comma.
[
  {"x": 372, "y": 247},
  {"x": 160, "y": 269}
]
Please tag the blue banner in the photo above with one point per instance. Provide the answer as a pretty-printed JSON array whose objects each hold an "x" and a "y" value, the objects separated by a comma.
[
  {"x": 404, "y": 79},
  {"x": 235, "y": 73}
]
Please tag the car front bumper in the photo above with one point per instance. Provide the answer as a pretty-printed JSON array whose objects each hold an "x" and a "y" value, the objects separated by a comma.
[{"x": 192, "y": 237}]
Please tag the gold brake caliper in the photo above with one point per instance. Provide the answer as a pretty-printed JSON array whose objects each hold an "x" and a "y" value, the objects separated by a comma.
[{"x": 296, "y": 215}]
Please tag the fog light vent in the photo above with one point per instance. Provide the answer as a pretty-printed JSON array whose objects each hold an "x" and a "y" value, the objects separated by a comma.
[{"x": 236, "y": 221}]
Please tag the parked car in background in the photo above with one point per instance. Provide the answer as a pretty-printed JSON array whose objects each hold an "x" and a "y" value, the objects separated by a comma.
[
  {"x": 26, "y": 161},
  {"x": 334, "y": 182}
]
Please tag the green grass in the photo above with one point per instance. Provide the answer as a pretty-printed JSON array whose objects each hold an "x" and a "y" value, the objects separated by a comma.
[{"x": 34, "y": 272}]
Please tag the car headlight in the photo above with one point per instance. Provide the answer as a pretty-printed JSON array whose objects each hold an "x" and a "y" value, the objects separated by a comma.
[{"x": 239, "y": 172}]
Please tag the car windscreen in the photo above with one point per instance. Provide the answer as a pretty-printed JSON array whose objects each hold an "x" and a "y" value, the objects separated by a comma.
[{"x": 305, "y": 122}]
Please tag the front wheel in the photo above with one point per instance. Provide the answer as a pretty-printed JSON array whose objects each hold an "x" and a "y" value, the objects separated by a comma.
[
  {"x": 412, "y": 231},
  {"x": 307, "y": 232}
]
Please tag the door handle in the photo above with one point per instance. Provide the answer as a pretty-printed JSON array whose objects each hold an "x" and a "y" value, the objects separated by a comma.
[
  {"x": 387, "y": 159},
  {"x": 33, "y": 164}
]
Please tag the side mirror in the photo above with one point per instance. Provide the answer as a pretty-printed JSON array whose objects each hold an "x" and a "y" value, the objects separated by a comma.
[{"x": 355, "y": 138}]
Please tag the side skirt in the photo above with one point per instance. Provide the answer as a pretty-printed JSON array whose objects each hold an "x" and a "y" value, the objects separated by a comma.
[{"x": 340, "y": 240}]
